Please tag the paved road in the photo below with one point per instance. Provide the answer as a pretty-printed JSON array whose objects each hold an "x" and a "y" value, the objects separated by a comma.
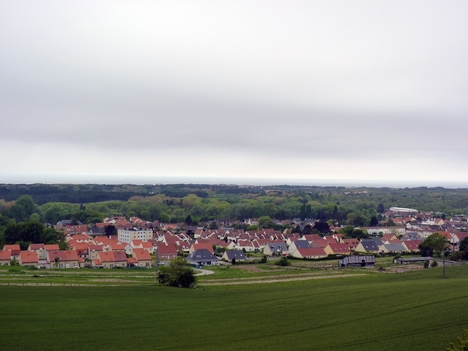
[{"x": 203, "y": 271}]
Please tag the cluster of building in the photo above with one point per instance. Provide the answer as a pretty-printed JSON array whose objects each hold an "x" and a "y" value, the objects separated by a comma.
[{"x": 139, "y": 243}]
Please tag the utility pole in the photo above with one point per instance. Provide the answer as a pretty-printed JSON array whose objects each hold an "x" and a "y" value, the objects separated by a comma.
[
  {"x": 444, "y": 267},
  {"x": 156, "y": 263}
]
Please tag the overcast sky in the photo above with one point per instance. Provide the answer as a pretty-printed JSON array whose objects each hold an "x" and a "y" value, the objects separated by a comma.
[{"x": 276, "y": 90}]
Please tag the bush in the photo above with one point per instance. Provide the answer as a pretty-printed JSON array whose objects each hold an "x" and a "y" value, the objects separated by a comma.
[
  {"x": 456, "y": 256},
  {"x": 283, "y": 262},
  {"x": 177, "y": 274},
  {"x": 426, "y": 264},
  {"x": 434, "y": 264}
]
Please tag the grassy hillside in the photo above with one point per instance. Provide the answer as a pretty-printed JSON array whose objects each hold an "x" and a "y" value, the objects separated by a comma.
[{"x": 413, "y": 311}]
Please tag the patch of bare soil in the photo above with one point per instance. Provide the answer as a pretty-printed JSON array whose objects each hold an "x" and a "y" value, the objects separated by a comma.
[
  {"x": 278, "y": 279},
  {"x": 113, "y": 281},
  {"x": 402, "y": 269}
]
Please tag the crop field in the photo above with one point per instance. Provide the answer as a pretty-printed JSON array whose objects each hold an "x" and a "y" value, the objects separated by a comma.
[{"x": 417, "y": 310}]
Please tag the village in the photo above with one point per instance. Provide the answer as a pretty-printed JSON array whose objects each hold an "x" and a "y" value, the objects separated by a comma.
[{"x": 144, "y": 244}]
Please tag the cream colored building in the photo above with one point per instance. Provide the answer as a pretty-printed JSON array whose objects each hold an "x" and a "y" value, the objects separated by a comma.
[{"x": 128, "y": 235}]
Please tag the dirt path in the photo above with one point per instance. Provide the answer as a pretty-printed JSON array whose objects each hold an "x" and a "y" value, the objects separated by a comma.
[{"x": 277, "y": 280}]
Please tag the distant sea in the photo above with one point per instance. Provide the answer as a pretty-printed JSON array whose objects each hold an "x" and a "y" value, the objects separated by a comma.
[{"x": 140, "y": 180}]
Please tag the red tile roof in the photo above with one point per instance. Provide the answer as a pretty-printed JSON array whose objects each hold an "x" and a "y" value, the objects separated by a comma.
[
  {"x": 28, "y": 257},
  {"x": 141, "y": 255},
  {"x": 5, "y": 255}
]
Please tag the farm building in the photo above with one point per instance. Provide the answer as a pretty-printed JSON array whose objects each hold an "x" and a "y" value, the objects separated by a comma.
[{"x": 357, "y": 261}]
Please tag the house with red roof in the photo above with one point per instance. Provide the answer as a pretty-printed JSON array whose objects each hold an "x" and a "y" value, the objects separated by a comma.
[
  {"x": 14, "y": 250},
  {"x": 110, "y": 259},
  {"x": 166, "y": 252},
  {"x": 93, "y": 251},
  {"x": 82, "y": 238},
  {"x": 39, "y": 250},
  {"x": 412, "y": 245},
  {"x": 28, "y": 259},
  {"x": 5, "y": 258},
  {"x": 143, "y": 257},
  {"x": 310, "y": 253},
  {"x": 183, "y": 246},
  {"x": 200, "y": 246},
  {"x": 245, "y": 244},
  {"x": 63, "y": 259},
  {"x": 50, "y": 247},
  {"x": 352, "y": 243},
  {"x": 337, "y": 249},
  {"x": 82, "y": 248}
]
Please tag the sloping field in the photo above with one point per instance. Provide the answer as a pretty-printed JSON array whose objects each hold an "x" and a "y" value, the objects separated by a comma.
[{"x": 412, "y": 311}]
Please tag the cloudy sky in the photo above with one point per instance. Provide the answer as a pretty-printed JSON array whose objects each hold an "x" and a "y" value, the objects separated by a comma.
[{"x": 298, "y": 91}]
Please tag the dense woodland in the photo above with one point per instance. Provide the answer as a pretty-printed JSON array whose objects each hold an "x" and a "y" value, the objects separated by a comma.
[
  {"x": 23, "y": 204},
  {"x": 172, "y": 203}
]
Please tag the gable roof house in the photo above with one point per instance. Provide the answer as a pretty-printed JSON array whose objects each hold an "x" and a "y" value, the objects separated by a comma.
[
  {"x": 275, "y": 249},
  {"x": 337, "y": 249},
  {"x": 238, "y": 255},
  {"x": 367, "y": 245},
  {"x": 39, "y": 249},
  {"x": 5, "y": 258},
  {"x": 298, "y": 244},
  {"x": 310, "y": 253},
  {"x": 206, "y": 246},
  {"x": 106, "y": 259},
  {"x": 28, "y": 258},
  {"x": 166, "y": 252},
  {"x": 143, "y": 257},
  {"x": 352, "y": 243},
  {"x": 245, "y": 244},
  {"x": 412, "y": 245},
  {"x": 93, "y": 251},
  {"x": 393, "y": 247},
  {"x": 202, "y": 257},
  {"x": 14, "y": 250},
  {"x": 66, "y": 259}
]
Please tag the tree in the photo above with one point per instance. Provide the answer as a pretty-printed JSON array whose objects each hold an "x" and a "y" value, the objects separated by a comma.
[
  {"x": 374, "y": 222},
  {"x": 380, "y": 208},
  {"x": 110, "y": 230},
  {"x": 359, "y": 234},
  {"x": 233, "y": 261},
  {"x": 322, "y": 227},
  {"x": 177, "y": 274},
  {"x": 434, "y": 244},
  {"x": 283, "y": 262},
  {"x": 188, "y": 220},
  {"x": 265, "y": 222},
  {"x": 56, "y": 260},
  {"x": 464, "y": 247}
]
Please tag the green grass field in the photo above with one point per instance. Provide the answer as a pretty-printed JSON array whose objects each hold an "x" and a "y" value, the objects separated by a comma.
[{"x": 411, "y": 311}]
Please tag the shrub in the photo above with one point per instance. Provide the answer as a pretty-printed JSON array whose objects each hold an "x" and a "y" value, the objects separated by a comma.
[
  {"x": 178, "y": 274},
  {"x": 456, "y": 256},
  {"x": 434, "y": 264},
  {"x": 283, "y": 262},
  {"x": 426, "y": 264}
]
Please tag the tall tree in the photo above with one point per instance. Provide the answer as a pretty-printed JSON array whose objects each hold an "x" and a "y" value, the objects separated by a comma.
[{"x": 434, "y": 244}]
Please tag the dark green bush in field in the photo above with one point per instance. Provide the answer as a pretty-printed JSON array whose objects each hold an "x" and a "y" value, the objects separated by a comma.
[
  {"x": 283, "y": 262},
  {"x": 434, "y": 264},
  {"x": 177, "y": 274}
]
